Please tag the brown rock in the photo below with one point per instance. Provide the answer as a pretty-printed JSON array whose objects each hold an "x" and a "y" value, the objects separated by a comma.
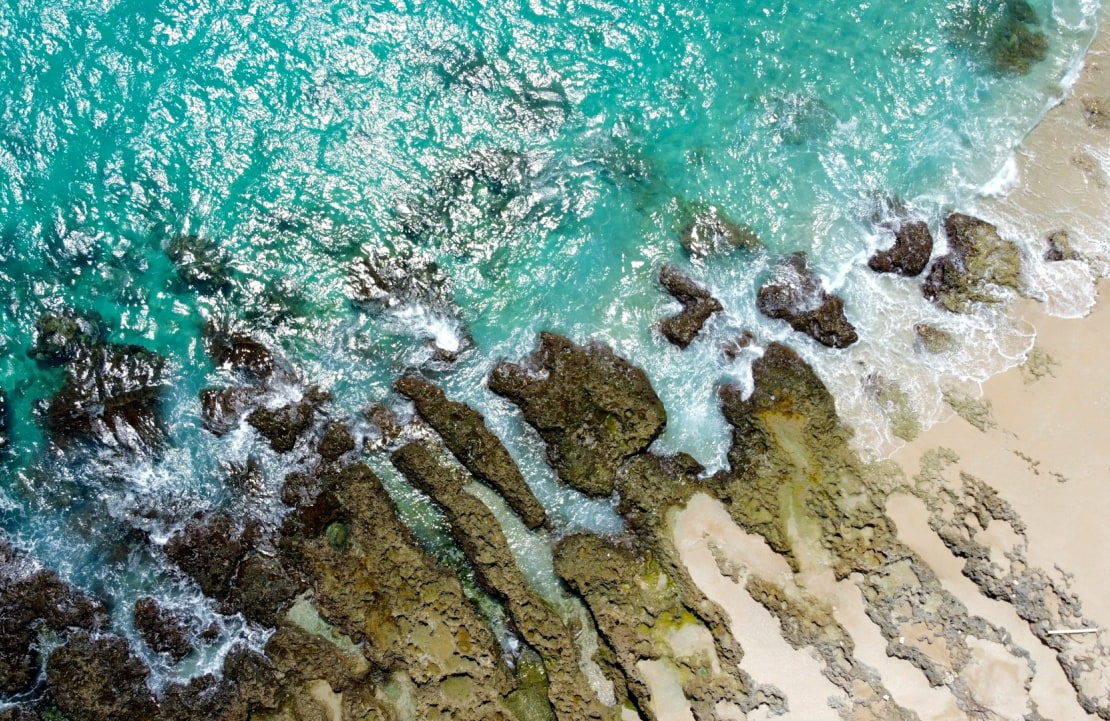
[
  {"x": 913, "y": 246},
  {"x": 697, "y": 306},
  {"x": 795, "y": 295},
  {"x": 978, "y": 265}
]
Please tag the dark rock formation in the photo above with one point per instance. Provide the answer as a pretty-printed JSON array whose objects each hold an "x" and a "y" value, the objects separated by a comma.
[
  {"x": 222, "y": 409},
  {"x": 263, "y": 589},
  {"x": 60, "y": 337},
  {"x": 709, "y": 232},
  {"x": 979, "y": 263},
  {"x": 593, "y": 408},
  {"x": 32, "y": 600},
  {"x": 697, "y": 306},
  {"x": 238, "y": 351},
  {"x": 111, "y": 395},
  {"x": 1059, "y": 247},
  {"x": 913, "y": 246},
  {"x": 283, "y": 426},
  {"x": 478, "y": 532},
  {"x": 201, "y": 263},
  {"x": 164, "y": 631},
  {"x": 794, "y": 294},
  {"x": 203, "y": 698},
  {"x": 99, "y": 679},
  {"x": 208, "y": 549},
  {"x": 465, "y": 434},
  {"x": 382, "y": 279},
  {"x": 335, "y": 441}
]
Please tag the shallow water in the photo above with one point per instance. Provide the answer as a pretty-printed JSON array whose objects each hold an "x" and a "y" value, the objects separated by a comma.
[{"x": 542, "y": 154}]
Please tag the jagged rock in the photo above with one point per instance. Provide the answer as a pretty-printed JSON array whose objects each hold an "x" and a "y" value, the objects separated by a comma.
[
  {"x": 200, "y": 262},
  {"x": 465, "y": 434},
  {"x": 697, "y": 306},
  {"x": 283, "y": 426},
  {"x": 307, "y": 656},
  {"x": 263, "y": 589},
  {"x": 208, "y": 549},
  {"x": 709, "y": 232},
  {"x": 203, "y": 698},
  {"x": 31, "y": 600},
  {"x": 979, "y": 263},
  {"x": 255, "y": 679},
  {"x": 1059, "y": 247},
  {"x": 933, "y": 339},
  {"x": 238, "y": 351},
  {"x": 60, "y": 337},
  {"x": 221, "y": 409},
  {"x": 386, "y": 593},
  {"x": 164, "y": 631},
  {"x": 477, "y": 531},
  {"x": 99, "y": 679},
  {"x": 913, "y": 246},
  {"x": 111, "y": 395},
  {"x": 794, "y": 294},
  {"x": 335, "y": 441},
  {"x": 593, "y": 408}
]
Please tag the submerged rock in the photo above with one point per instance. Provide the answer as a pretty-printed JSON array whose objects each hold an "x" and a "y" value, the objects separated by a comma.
[
  {"x": 1005, "y": 34},
  {"x": 163, "y": 630},
  {"x": 5, "y": 419},
  {"x": 978, "y": 265},
  {"x": 697, "y": 306},
  {"x": 795, "y": 294},
  {"x": 383, "y": 279},
  {"x": 1097, "y": 112},
  {"x": 221, "y": 409},
  {"x": 593, "y": 408},
  {"x": 99, "y": 679},
  {"x": 111, "y": 395},
  {"x": 913, "y": 246},
  {"x": 708, "y": 232},
  {"x": 465, "y": 434},
  {"x": 933, "y": 339},
  {"x": 201, "y": 262},
  {"x": 61, "y": 337}
]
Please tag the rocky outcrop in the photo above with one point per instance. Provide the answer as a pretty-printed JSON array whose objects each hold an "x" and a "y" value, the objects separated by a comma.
[
  {"x": 111, "y": 395},
  {"x": 208, "y": 550},
  {"x": 221, "y": 409},
  {"x": 1059, "y": 247},
  {"x": 593, "y": 408},
  {"x": 335, "y": 441},
  {"x": 978, "y": 266},
  {"x": 283, "y": 426},
  {"x": 465, "y": 434},
  {"x": 163, "y": 630},
  {"x": 238, "y": 351},
  {"x": 934, "y": 340},
  {"x": 913, "y": 246},
  {"x": 479, "y": 534},
  {"x": 697, "y": 306},
  {"x": 32, "y": 600},
  {"x": 95, "y": 678},
  {"x": 795, "y": 294},
  {"x": 708, "y": 232},
  {"x": 430, "y": 650},
  {"x": 383, "y": 279}
]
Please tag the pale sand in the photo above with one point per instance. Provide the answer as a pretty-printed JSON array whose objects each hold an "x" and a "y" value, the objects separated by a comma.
[{"x": 1047, "y": 455}]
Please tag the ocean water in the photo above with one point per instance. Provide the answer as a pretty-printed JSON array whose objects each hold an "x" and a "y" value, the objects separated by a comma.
[{"x": 543, "y": 155}]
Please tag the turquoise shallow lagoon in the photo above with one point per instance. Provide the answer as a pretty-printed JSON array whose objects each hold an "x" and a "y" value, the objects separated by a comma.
[{"x": 543, "y": 155}]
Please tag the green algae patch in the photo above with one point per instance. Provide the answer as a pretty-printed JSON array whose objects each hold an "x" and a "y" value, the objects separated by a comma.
[{"x": 1038, "y": 365}]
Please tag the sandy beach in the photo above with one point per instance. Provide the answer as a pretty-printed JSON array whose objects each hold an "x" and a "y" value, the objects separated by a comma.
[{"x": 1027, "y": 451}]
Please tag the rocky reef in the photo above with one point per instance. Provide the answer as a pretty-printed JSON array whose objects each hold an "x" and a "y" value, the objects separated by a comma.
[
  {"x": 978, "y": 267},
  {"x": 697, "y": 306},
  {"x": 795, "y": 294}
]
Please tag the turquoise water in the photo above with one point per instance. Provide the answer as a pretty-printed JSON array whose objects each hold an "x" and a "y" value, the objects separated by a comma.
[{"x": 542, "y": 154}]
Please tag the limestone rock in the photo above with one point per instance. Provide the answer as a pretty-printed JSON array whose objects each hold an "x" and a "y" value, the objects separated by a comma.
[
  {"x": 913, "y": 246},
  {"x": 794, "y": 294},
  {"x": 164, "y": 631},
  {"x": 592, "y": 407},
  {"x": 697, "y": 306},
  {"x": 465, "y": 434},
  {"x": 99, "y": 679},
  {"x": 978, "y": 265}
]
